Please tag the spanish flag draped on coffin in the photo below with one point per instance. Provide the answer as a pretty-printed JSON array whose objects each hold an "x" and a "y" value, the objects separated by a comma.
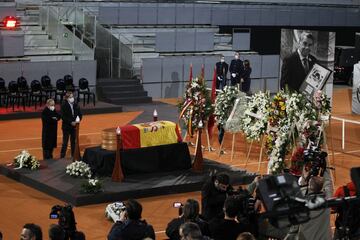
[{"x": 150, "y": 134}]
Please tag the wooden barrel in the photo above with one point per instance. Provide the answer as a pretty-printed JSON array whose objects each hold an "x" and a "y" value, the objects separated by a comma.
[{"x": 109, "y": 139}]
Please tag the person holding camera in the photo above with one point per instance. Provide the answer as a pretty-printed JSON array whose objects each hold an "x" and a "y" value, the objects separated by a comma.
[
  {"x": 190, "y": 213},
  {"x": 130, "y": 226},
  {"x": 213, "y": 195},
  {"x": 319, "y": 225},
  {"x": 228, "y": 227}
]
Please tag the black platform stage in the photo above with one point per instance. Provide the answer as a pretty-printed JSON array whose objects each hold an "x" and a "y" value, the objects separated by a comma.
[{"x": 51, "y": 179}]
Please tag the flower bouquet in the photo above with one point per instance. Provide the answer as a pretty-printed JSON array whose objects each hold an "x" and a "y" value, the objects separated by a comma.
[
  {"x": 196, "y": 105},
  {"x": 26, "y": 160},
  {"x": 224, "y": 104},
  {"x": 91, "y": 186},
  {"x": 78, "y": 169}
]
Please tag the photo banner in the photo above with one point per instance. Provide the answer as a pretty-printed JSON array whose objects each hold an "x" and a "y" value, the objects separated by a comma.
[{"x": 322, "y": 52}]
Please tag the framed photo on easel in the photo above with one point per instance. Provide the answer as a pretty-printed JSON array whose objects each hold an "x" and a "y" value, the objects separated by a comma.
[{"x": 315, "y": 80}]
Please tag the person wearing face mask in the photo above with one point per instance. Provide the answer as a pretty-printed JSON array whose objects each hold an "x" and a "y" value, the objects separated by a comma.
[
  {"x": 296, "y": 66},
  {"x": 236, "y": 70},
  {"x": 221, "y": 73},
  {"x": 49, "y": 118},
  {"x": 69, "y": 112}
]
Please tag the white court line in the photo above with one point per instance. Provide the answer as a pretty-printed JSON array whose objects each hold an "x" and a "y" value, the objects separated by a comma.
[
  {"x": 158, "y": 232},
  {"x": 38, "y": 148},
  {"x": 39, "y": 138}
]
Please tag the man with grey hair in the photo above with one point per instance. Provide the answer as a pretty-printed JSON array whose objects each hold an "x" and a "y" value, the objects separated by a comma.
[{"x": 296, "y": 66}]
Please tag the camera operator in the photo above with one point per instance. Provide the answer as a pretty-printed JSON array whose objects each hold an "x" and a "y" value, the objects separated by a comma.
[
  {"x": 347, "y": 221},
  {"x": 213, "y": 195},
  {"x": 229, "y": 227},
  {"x": 319, "y": 225},
  {"x": 56, "y": 232},
  {"x": 130, "y": 226},
  {"x": 190, "y": 213}
]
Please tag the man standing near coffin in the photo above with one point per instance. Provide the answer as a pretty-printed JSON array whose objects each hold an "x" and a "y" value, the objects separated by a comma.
[
  {"x": 221, "y": 73},
  {"x": 236, "y": 70},
  {"x": 69, "y": 112},
  {"x": 296, "y": 66}
]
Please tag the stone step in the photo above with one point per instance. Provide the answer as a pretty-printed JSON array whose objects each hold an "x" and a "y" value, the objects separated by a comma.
[
  {"x": 49, "y": 58},
  {"x": 32, "y": 28},
  {"x": 117, "y": 82},
  {"x": 121, "y": 88},
  {"x": 35, "y": 32},
  {"x": 30, "y": 37},
  {"x": 40, "y": 43},
  {"x": 46, "y": 51},
  {"x": 124, "y": 94},
  {"x": 129, "y": 100}
]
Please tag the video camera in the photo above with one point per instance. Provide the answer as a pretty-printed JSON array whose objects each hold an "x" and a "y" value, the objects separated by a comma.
[
  {"x": 285, "y": 204},
  {"x": 66, "y": 218},
  {"x": 316, "y": 159}
]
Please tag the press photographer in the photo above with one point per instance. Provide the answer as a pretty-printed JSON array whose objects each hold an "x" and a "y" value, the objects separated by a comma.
[
  {"x": 130, "y": 226},
  {"x": 66, "y": 218},
  {"x": 189, "y": 212},
  {"x": 213, "y": 195}
]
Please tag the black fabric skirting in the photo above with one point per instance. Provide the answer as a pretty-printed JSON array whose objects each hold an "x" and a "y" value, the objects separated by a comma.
[{"x": 162, "y": 158}]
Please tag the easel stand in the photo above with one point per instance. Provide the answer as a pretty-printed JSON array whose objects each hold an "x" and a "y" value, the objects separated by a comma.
[
  {"x": 117, "y": 174},
  {"x": 77, "y": 156},
  {"x": 198, "y": 161}
]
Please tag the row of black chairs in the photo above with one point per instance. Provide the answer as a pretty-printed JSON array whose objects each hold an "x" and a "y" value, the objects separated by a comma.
[{"x": 19, "y": 91}]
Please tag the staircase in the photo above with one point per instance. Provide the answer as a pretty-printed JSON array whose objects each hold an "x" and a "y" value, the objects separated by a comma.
[
  {"x": 121, "y": 91},
  {"x": 38, "y": 45}
]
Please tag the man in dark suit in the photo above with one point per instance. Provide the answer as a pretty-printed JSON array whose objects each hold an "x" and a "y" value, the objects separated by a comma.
[
  {"x": 297, "y": 65},
  {"x": 236, "y": 70},
  {"x": 221, "y": 73},
  {"x": 69, "y": 112}
]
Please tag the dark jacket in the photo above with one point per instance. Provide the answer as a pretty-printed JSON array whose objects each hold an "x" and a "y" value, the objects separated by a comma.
[
  {"x": 222, "y": 229},
  {"x": 172, "y": 229},
  {"x": 245, "y": 86},
  {"x": 237, "y": 67},
  {"x": 292, "y": 71},
  {"x": 222, "y": 69},
  {"x": 67, "y": 116},
  {"x": 131, "y": 230},
  {"x": 212, "y": 201},
  {"x": 49, "y": 128}
]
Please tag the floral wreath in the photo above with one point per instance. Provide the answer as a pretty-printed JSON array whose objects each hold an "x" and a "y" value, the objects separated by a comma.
[
  {"x": 224, "y": 103},
  {"x": 78, "y": 169},
  {"x": 26, "y": 160},
  {"x": 195, "y": 106},
  {"x": 254, "y": 122}
]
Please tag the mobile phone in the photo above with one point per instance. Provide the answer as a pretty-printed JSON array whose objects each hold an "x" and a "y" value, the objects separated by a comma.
[{"x": 177, "y": 205}]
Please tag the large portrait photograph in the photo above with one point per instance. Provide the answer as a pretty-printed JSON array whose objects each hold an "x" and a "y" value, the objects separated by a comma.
[{"x": 307, "y": 61}]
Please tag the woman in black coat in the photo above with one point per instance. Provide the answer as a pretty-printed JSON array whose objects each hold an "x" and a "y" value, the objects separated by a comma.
[
  {"x": 49, "y": 118},
  {"x": 246, "y": 80}
]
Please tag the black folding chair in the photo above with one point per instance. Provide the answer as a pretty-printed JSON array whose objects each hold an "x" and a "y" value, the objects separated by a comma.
[
  {"x": 3, "y": 91},
  {"x": 85, "y": 91},
  {"x": 47, "y": 87},
  {"x": 36, "y": 94},
  {"x": 14, "y": 96},
  {"x": 60, "y": 90}
]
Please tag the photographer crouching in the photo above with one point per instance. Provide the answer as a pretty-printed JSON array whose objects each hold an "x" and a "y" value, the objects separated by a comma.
[{"x": 130, "y": 226}]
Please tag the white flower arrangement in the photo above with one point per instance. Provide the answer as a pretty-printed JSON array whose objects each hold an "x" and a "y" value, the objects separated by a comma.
[
  {"x": 78, "y": 169},
  {"x": 26, "y": 160},
  {"x": 224, "y": 103},
  {"x": 254, "y": 122},
  {"x": 91, "y": 186}
]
